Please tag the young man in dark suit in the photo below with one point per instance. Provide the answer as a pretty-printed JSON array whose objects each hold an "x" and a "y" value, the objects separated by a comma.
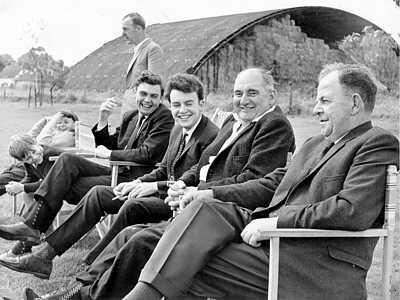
[
  {"x": 192, "y": 133},
  {"x": 142, "y": 137},
  {"x": 335, "y": 181}
]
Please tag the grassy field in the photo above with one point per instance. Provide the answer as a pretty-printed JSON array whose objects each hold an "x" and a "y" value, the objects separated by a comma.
[{"x": 16, "y": 117}]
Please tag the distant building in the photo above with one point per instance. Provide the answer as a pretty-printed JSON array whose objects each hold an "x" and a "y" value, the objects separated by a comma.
[{"x": 294, "y": 42}]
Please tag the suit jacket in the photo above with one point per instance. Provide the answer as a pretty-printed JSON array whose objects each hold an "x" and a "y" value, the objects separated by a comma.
[
  {"x": 34, "y": 176},
  {"x": 258, "y": 149},
  {"x": 148, "y": 57},
  {"x": 345, "y": 190},
  {"x": 149, "y": 145},
  {"x": 202, "y": 136}
]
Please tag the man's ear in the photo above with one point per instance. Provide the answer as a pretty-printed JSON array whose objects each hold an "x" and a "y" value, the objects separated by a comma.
[{"x": 358, "y": 104}]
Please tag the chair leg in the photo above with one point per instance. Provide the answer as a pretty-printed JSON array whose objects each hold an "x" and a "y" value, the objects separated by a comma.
[
  {"x": 14, "y": 205},
  {"x": 273, "y": 268},
  {"x": 387, "y": 266}
]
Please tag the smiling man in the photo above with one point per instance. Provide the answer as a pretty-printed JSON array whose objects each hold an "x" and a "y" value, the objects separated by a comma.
[
  {"x": 142, "y": 137},
  {"x": 192, "y": 133}
]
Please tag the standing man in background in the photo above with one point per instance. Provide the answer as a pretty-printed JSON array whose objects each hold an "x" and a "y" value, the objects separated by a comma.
[{"x": 147, "y": 55}]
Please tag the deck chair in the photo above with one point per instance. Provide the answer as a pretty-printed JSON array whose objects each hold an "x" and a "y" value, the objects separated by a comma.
[
  {"x": 386, "y": 232},
  {"x": 220, "y": 116}
]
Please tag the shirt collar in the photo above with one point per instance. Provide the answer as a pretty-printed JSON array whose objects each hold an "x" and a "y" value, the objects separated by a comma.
[
  {"x": 137, "y": 47},
  {"x": 255, "y": 120},
  {"x": 189, "y": 132}
]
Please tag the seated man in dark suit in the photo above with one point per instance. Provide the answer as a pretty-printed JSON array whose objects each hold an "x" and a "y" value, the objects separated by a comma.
[
  {"x": 213, "y": 249},
  {"x": 192, "y": 133},
  {"x": 142, "y": 137},
  {"x": 236, "y": 154}
]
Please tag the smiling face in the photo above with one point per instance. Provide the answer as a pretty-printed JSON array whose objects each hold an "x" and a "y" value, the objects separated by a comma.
[
  {"x": 333, "y": 107},
  {"x": 64, "y": 124},
  {"x": 148, "y": 98},
  {"x": 251, "y": 96},
  {"x": 186, "y": 108},
  {"x": 132, "y": 33}
]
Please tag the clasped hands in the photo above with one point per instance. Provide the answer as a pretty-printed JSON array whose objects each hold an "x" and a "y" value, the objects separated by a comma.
[
  {"x": 14, "y": 188},
  {"x": 134, "y": 189}
]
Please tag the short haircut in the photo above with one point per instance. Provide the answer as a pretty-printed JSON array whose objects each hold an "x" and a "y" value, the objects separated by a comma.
[
  {"x": 266, "y": 76},
  {"x": 149, "y": 78},
  {"x": 355, "y": 78},
  {"x": 21, "y": 145},
  {"x": 185, "y": 83},
  {"x": 136, "y": 19},
  {"x": 70, "y": 115}
]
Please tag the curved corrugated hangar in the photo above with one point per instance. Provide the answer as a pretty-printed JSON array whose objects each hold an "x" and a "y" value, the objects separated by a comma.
[{"x": 217, "y": 48}]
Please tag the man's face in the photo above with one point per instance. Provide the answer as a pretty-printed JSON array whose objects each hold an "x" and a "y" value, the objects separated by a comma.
[
  {"x": 65, "y": 124},
  {"x": 251, "y": 97},
  {"x": 186, "y": 108},
  {"x": 35, "y": 156},
  {"x": 148, "y": 98},
  {"x": 130, "y": 31},
  {"x": 333, "y": 107}
]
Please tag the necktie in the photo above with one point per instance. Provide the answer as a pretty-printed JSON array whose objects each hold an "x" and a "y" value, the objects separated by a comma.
[
  {"x": 135, "y": 132},
  {"x": 327, "y": 144},
  {"x": 181, "y": 146}
]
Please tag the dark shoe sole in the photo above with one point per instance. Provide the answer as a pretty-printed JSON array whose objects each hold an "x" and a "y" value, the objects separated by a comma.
[
  {"x": 18, "y": 237},
  {"x": 16, "y": 268}
]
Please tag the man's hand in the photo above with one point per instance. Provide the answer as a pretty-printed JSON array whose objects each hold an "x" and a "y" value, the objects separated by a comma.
[
  {"x": 124, "y": 188},
  {"x": 102, "y": 152},
  {"x": 143, "y": 189},
  {"x": 194, "y": 195},
  {"x": 252, "y": 234},
  {"x": 14, "y": 188},
  {"x": 177, "y": 200},
  {"x": 106, "y": 108}
]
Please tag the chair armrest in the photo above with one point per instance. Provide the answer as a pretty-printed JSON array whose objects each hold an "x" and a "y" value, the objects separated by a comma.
[
  {"x": 315, "y": 233},
  {"x": 119, "y": 163}
]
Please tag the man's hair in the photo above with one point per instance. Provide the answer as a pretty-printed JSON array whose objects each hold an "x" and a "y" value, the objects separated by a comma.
[
  {"x": 268, "y": 79},
  {"x": 21, "y": 145},
  {"x": 149, "y": 78},
  {"x": 185, "y": 83},
  {"x": 355, "y": 78},
  {"x": 70, "y": 115},
  {"x": 136, "y": 19}
]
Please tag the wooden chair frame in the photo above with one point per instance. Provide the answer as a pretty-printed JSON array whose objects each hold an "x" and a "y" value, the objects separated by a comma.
[{"x": 386, "y": 232}]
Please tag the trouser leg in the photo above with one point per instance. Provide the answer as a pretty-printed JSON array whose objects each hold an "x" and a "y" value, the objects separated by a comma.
[
  {"x": 16, "y": 172},
  {"x": 199, "y": 232},
  {"x": 112, "y": 275},
  {"x": 59, "y": 182},
  {"x": 93, "y": 206},
  {"x": 135, "y": 211},
  {"x": 237, "y": 272}
]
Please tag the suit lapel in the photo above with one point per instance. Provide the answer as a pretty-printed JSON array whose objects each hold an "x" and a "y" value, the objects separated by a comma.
[
  {"x": 245, "y": 130},
  {"x": 131, "y": 128},
  {"x": 195, "y": 136},
  {"x": 309, "y": 170},
  {"x": 136, "y": 55}
]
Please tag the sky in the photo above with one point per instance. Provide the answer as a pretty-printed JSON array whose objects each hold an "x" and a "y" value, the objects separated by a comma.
[{"x": 72, "y": 29}]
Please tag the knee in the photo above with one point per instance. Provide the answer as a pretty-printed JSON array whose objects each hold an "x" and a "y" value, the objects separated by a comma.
[
  {"x": 203, "y": 201},
  {"x": 96, "y": 193},
  {"x": 130, "y": 206}
]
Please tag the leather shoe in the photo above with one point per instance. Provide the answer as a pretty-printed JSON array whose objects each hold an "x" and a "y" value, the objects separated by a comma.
[
  {"x": 72, "y": 293},
  {"x": 27, "y": 263},
  {"x": 19, "y": 231}
]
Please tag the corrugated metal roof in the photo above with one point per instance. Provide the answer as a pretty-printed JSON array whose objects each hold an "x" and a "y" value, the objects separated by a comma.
[{"x": 188, "y": 44}]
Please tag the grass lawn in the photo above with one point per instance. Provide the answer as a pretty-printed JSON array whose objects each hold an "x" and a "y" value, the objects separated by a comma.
[{"x": 16, "y": 117}]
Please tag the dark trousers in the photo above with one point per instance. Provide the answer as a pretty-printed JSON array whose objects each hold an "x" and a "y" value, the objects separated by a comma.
[
  {"x": 70, "y": 178},
  {"x": 201, "y": 254},
  {"x": 135, "y": 211},
  {"x": 89, "y": 211},
  {"x": 15, "y": 172},
  {"x": 116, "y": 270}
]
